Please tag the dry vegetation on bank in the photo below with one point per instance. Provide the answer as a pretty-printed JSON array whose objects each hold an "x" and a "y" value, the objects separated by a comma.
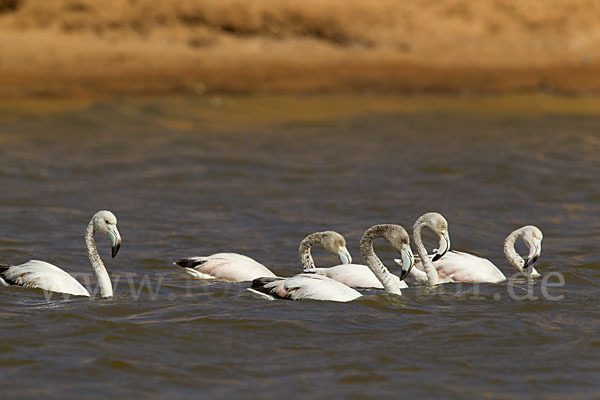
[{"x": 95, "y": 47}]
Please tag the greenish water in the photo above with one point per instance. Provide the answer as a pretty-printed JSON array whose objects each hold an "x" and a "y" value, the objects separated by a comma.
[{"x": 255, "y": 175}]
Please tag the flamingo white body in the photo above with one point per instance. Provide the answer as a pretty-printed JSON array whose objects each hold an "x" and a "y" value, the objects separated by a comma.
[
  {"x": 45, "y": 276},
  {"x": 225, "y": 266},
  {"x": 456, "y": 266},
  {"x": 355, "y": 275},
  {"x": 315, "y": 286},
  {"x": 42, "y": 275},
  {"x": 304, "y": 286}
]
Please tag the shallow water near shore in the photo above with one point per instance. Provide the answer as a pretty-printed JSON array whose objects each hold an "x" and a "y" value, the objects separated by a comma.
[{"x": 254, "y": 175}]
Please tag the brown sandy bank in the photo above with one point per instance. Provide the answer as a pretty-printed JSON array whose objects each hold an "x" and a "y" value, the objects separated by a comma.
[{"x": 114, "y": 47}]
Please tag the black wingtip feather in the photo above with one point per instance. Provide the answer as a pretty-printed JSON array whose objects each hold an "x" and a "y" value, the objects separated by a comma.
[
  {"x": 3, "y": 269},
  {"x": 258, "y": 284},
  {"x": 188, "y": 262}
]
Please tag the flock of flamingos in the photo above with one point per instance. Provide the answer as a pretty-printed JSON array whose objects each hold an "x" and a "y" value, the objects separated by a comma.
[{"x": 329, "y": 284}]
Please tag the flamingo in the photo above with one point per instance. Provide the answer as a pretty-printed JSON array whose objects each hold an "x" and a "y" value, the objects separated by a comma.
[{"x": 43, "y": 275}]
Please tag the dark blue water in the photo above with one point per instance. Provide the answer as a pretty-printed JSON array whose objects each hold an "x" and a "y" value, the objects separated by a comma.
[{"x": 185, "y": 178}]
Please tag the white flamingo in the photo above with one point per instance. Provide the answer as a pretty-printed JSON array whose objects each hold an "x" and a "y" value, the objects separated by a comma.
[
  {"x": 42, "y": 275},
  {"x": 353, "y": 275},
  {"x": 240, "y": 268},
  {"x": 224, "y": 266},
  {"x": 424, "y": 272},
  {"x": 319, "y": 287},
  {"x": 457, "y": 266}
]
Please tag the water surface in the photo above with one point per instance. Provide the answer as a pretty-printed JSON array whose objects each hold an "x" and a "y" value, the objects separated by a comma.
[{"x": 193, "y": 176}]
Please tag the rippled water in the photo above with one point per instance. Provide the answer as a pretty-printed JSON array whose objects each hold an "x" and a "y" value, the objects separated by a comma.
[{"x": 254, "y": 175}]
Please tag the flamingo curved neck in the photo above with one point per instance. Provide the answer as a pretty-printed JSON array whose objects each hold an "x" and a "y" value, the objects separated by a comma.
[
  {"x": 510, "y": 252},
  {"x": 432, "y": 275},
  {"x": 304, "y": 250},
  {"x": 97, "y": 264},
  {"x": 374, "y": 263}
]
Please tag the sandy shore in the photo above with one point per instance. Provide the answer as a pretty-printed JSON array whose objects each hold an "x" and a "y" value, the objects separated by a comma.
[{"x": 121, "y": 47}]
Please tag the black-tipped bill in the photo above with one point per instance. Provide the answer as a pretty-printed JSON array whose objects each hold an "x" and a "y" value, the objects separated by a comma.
[
  {"x": 115, "y": 239},
  {"x": 531, "y": 261},
  {"x": 408, "y": 261},
  {"x": 534, "y": 254},
  {"x": 443, "y": 248},
  {"x": 115, "y": 249},
  {"x": 344, "y": 255}
]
